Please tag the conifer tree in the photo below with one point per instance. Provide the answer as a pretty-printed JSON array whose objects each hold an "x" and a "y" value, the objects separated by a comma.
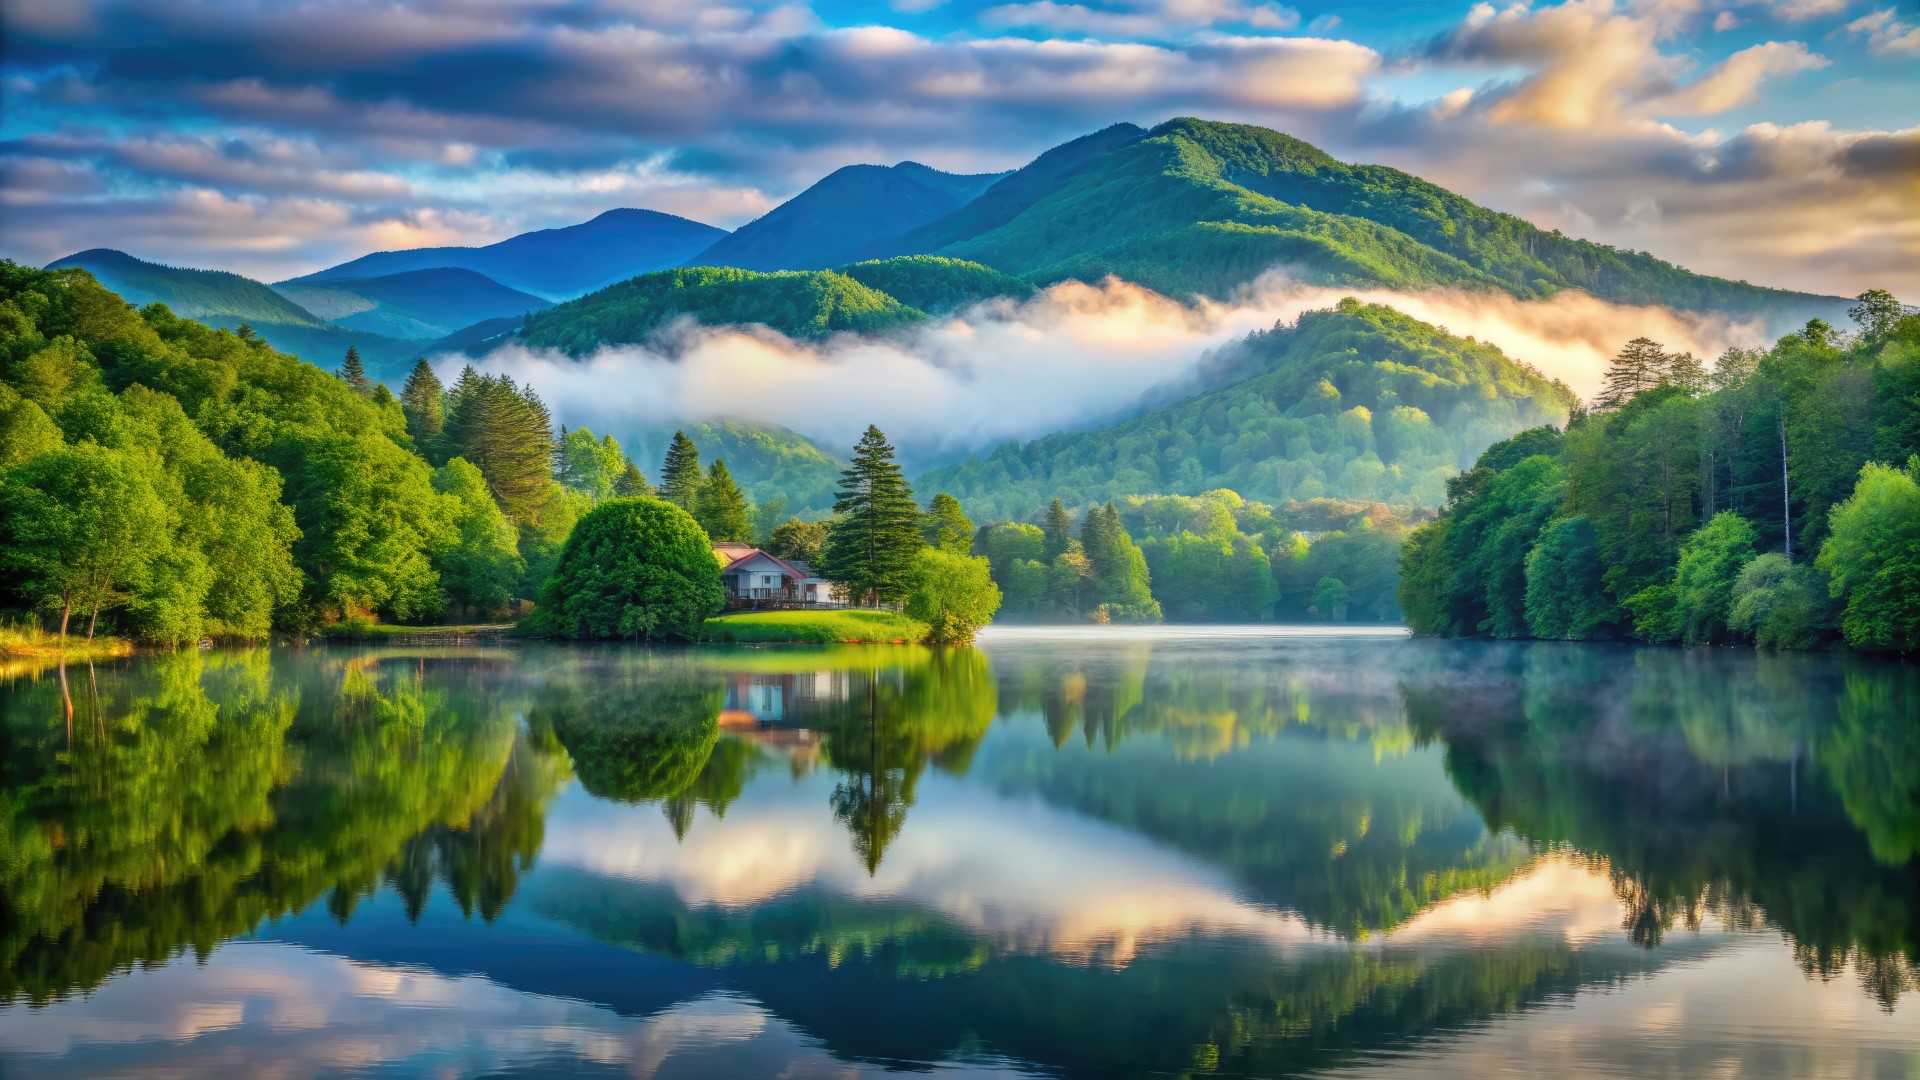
[
  {"x": 1641, "y": 365},
  {"x": 721, "y": 507},
  {"x": 947, "y": 526},
  {"x": 871, "y": 546},
  {"x": 632, "y": 482},
  {"x": 506, "y": 432},
  {"x": 354, "y": 373},
  {"x": 1685, "y": 371},
  {"x": 1058, "y": 530},
  {"x": 422, "y": 399},
  {"x": 1117, "y": 568},
  {"x": 680, "y": 472}
]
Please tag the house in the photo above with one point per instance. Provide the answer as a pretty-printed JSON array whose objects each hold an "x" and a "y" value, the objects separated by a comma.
[{"x": 756, "y": 579}]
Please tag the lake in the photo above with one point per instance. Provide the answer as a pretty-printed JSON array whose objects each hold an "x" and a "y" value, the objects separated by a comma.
[{"x": 1097, "y": 852}]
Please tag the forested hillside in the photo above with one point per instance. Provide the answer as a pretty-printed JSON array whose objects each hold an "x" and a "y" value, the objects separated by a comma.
[
  {"x": 808, "y": 305},
  {"x": 1356, "y": 402},
  {"x": 780, "y": 471},
  {"x": 426, "y": 304},
  {"x": 1201, "y": 208},
  {"x": 1774, "y": 500}
]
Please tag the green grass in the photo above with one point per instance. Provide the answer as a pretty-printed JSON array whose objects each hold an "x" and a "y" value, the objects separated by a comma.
[
  {"x": 353, "y": 629},
  {"x": 814, "y": 628},
  {"x": 26, "y": 639}
]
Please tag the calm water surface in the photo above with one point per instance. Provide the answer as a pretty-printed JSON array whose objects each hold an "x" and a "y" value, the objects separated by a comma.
[{"x": 1081, "y": 853}]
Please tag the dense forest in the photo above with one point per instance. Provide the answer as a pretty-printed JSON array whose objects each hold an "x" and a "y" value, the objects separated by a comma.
[
  {"x": 1356, "y": 402},
  {"x": 1774, "y": 499}
]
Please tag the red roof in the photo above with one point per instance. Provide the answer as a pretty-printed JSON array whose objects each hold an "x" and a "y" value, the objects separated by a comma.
[{"x": 753, "y": 551}]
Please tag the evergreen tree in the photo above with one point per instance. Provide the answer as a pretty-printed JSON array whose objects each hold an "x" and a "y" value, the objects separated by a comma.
[
  {"x": 680, "y": 472},
  {"x": 871, "y": 548},
  {"x": 947, "y": 526},
  {"x": 632, "y": 481},
  {"x": 721, "y": 507},
  {"x": 1119, "y": 582},
  {"x": 1685, "y": 371},
  {"x": 354, "y": 373},
  {"x": 505, "y": 432},
  {"x": 1641, "y": 365},
  {"x": 422, "y": 400},
  {"x": 1058, "y": 530}
]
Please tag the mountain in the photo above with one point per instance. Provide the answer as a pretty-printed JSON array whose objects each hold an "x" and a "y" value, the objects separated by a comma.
[
  {"x": 768, "y": 461},
  {"x": 1199, "y": 208},
  {"x": 208, "y": 295},
  {"x": 222, "y": 299},
  {"x": 808, "y": 305},
  {"x": 412, "y": 304},
  {"x": 557, "y": 264},
  {"x": 1012, "y": 194},
  {"x": 1355, "y": 402},
  {"x": 829, "y": 223}
]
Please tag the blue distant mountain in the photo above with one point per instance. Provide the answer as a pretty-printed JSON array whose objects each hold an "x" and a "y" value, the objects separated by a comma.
[
  {"x": 412, "y": 304},
  {"x": 557, "y": 264},
  {"x": 853, "y": 208}
]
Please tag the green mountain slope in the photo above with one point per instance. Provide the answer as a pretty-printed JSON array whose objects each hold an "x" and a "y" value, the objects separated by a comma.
[
  {"x": 1356, "y": 402},
  {"x": 558, "y": 264},
  {"x": 226, "y": 300},
  {"x": 831, "y": 222},
  {"x": 413, "y": 304},
  {"x": 865, "y": 298},
  {"x": 1201, "y": 208},
  {"x": 768, "y": 461},
  {"x": 192, "y": 294}
]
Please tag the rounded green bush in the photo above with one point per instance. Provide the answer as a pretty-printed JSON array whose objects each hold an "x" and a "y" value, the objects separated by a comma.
[{"x": 637, "y": 568}]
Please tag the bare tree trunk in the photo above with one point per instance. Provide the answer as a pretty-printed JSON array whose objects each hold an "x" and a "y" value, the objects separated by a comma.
[
  {"x": 66, "y": 698},
  {"x": 1786, "y": 504},
  {"x": 66, "y": 612}
]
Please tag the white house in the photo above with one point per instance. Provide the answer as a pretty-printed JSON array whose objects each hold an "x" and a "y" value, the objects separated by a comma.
[{"x": 754, "y": 578}]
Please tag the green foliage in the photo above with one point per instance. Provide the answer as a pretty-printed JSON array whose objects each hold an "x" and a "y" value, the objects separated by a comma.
[
  {"x": 423, "y": 401},
  {"x": 1566, "y": 598},
  {"x": 946, "y": 525},
  {"x": 1710, "y": 561},
  {"x": 354, "y": 373},
  {"x": 506, "y": 432},
  {"x": 771, "y": 464},
  {"x": 1781, "y": 605},
  {"x": 1356, "y": 402},
  {"x": 1330, "y": 599},
  {"x": 800, "y": 304},
  {"x": 633, "y": 738},
  {"x": 680, "y": 476},
  {"x": 632, "y": 568},
  {"x": 84, "y": 529},
  {"x": 1198, "y": 207},
  {"x": 595, "y": 466},
  {"x": 797, "y": 540},
  {"x": 479, "y": 563},
  {"x": 1119, "y": 587},
  {"x": 721, "y": 508},
  {"x": 1873, "y": 559},
  {"x": 952, "y": 593},
  {"x": 871, "y": 547},
  {"x": 1220, "y": 577}
]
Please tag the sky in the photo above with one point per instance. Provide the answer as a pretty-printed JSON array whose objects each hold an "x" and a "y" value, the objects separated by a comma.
[{"x": 1776, "y": 141}]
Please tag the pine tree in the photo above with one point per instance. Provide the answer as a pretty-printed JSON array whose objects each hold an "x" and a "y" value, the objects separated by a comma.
[
  {"x": 1641, "y": 365},
  {"x": 507, "y": 434},
  {"x": 871, "y": 546},
  {"x": 1058, "y": 530},
  {"x": 1685, "y": 371},
  {"x": 354, "y": 373},
  {"x": 632, "y": 482},
  {"x": 947, "y": 526},
  {"x": 721, "y": 507},
  {"x": 680, "y": 472},
  {"x": 422, "y": 399}
]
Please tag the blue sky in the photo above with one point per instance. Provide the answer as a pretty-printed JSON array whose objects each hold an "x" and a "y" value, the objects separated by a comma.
[{"x": 1774, "y": 140}]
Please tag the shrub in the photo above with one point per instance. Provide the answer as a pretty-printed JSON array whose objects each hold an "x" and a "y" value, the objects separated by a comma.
[
  {"x": 953, "y": 594},
  {"x": 635, "y": 568}
]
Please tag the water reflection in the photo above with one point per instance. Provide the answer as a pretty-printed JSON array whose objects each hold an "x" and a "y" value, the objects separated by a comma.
[{"x": 1084, "y": 855}]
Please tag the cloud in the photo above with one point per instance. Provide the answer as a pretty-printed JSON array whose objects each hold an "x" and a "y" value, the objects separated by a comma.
[
  {"x": 1802, "y": 10},
  {"x": 1736, "y": 80},
  {"x": 1140, "y": 18},
  {"x": 1074, "y": 355},
  {"x": 1886, "y": 33}
]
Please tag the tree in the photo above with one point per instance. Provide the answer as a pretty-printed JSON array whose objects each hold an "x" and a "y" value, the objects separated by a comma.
[
  {"x": 632, "y": 481},
  {"x": 590, "y": 464},
  {"x": 1876, "y": 312},
  {"x": 1120, "y": 583},
  {"x": 479, "y": 558},
  {"x": 1067, "y": 582},
  {"x": 639, "y": 569},
  {"x": 423, "y": 402},
  {"x": 721, "y": 508},
  {"x": 797, "y": 540},
  {"x": 872, "y": 544},
  {"x": 680, "y": 472},
  {"x": 1330, "y": 599},
  {"x": 1873, "y": 558},
  {"x": 953, "y": 594},
  {"x": 946, "y": 526},
  {"x": 1710, "y": 561},
  {"x": 83, "y": 527},
  {"x": 1566, "y": 596},
  {"x": 354, "y": 373},
  {"x": 506, "y": 432},
  {"x": 1640, "y": 365},
  {"x": 1780, "y": 605},
  {"x": 1058, "y": 529}
]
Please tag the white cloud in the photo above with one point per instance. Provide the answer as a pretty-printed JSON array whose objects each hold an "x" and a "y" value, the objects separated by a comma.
[
  {"x": 1140, "y": 18},
  {"x": 1736, "y": 80},
  {"x": 1886, "y": 33}
]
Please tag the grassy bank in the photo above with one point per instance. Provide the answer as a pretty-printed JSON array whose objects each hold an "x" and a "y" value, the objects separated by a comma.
[
  {"x": 368, "y": 630},
  {"x": 814, "y": 628},
  {"x": 21, "y": 640}
]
